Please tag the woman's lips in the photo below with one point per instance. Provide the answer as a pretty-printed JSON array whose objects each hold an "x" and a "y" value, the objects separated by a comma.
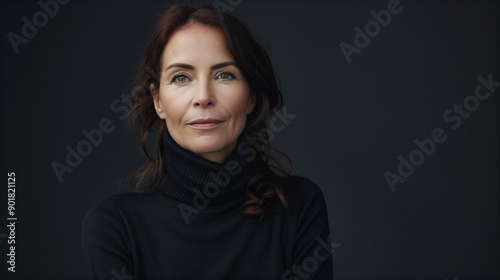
[{"x": 205, "y": 123}]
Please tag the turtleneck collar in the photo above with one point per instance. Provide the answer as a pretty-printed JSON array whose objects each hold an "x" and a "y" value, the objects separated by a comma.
[{"x": 202, "y": 185}]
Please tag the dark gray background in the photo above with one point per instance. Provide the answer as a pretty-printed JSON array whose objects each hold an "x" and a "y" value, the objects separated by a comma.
[{"x": 352, "y": 121}]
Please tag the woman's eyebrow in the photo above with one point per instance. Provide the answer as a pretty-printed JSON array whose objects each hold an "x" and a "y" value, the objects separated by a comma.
[
  {"x": 180, "y": 65},
  {"x": 223, "y": 64},
  {"x": 191, "y": 67}
]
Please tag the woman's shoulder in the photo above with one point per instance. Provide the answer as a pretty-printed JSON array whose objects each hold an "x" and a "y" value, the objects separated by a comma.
[
  {"x": 304, "y": 196},
  {"x": 113, "y": 206},
  {"x": 304, "y": 188},
  {"x": 307, "y": 211},
  {"x": 120, "y": 199}
]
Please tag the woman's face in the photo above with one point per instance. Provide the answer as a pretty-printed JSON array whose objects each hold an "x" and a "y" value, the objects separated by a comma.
[{"x": 203, "y": 96}]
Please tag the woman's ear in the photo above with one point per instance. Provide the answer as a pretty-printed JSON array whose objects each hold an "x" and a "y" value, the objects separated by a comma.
[
  {"x": 251, "y": 102},
  {"x": 155, "y": 93}
]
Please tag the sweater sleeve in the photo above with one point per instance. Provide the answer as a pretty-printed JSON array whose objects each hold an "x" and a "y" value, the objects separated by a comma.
[
  {"x": 312, "y": 256},
  {"x": 106, "y": 246}
]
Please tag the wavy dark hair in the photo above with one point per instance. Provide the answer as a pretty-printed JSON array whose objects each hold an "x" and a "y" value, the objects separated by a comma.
[{"x": 270, "y": 178}]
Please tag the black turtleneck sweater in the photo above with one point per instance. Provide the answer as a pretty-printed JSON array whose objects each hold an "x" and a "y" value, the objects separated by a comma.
[{"x": 192, "y": 227}]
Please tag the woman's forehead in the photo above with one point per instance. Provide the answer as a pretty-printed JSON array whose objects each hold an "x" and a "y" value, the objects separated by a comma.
[{"x": 196, "y": 43}]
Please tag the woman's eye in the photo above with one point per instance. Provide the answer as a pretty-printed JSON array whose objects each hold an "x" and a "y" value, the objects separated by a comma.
[
  {"x": 181, "y": 79},
  {"x": 225, "y": 76}
]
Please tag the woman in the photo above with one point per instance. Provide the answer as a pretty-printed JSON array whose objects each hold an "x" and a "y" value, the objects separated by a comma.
[{"x": 208, "y": 204}]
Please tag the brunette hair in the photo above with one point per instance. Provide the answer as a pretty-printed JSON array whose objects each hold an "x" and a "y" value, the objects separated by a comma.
[{"x": 253, "y": 61}]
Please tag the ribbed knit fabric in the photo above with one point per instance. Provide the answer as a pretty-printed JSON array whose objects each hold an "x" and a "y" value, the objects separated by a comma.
[
  {"x": 182, "y": 230},
  {"x": 204, "y": 185}
]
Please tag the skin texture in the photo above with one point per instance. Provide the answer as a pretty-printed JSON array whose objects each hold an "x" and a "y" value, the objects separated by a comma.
[{"x": 208, "y": 85}]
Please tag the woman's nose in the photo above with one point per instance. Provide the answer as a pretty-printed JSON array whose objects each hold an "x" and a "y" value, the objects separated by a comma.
[{"x": 204, "y": 95}]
